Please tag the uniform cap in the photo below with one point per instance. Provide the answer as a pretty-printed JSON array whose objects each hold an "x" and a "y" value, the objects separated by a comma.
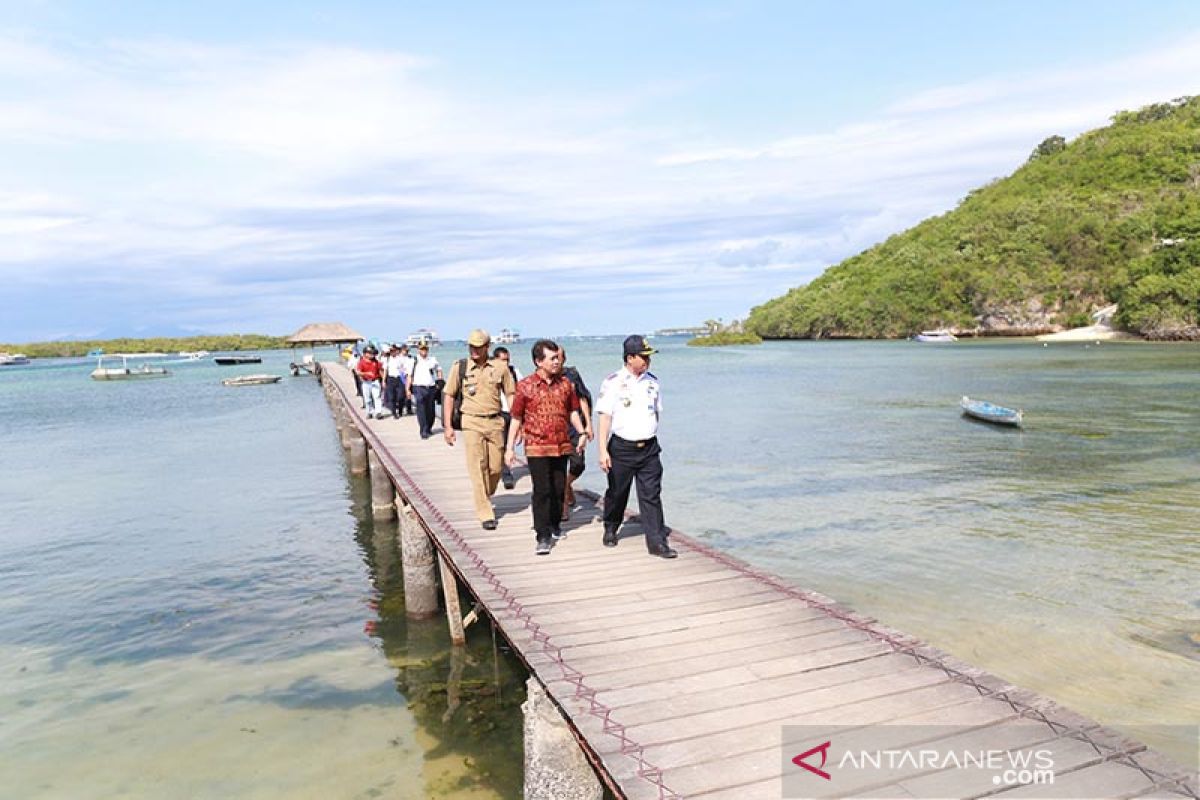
[
  {"x": 479, "y": 338},
  {"x": 636, "y": 345}
]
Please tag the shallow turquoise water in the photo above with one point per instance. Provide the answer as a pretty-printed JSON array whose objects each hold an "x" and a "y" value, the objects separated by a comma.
[{"x": 195, "y": 603}]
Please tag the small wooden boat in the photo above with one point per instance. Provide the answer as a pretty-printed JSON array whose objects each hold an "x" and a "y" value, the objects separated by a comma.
[
  {"x": 251, "y": 380},
  {"x": 990, "y": 412},
  {"x": 102, "y": 372},
  {"x": 935, "y": 336},
  {"x": 229, "y": 361}
]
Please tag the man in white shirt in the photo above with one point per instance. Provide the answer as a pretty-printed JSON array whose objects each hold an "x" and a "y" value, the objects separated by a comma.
[
  {"x": 423, "y": 390},
  {"x": 629, "y": 405},
  {"x": 393, "y": 381}
]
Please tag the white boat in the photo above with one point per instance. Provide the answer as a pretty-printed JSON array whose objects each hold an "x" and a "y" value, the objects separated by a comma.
[
  {"x": 507, "y": 336},
  {"x": 193, "y": 355},
  {"x": 251, "y": 380},
  {"x": 990, "y": 412},
  {"x": 13, "y": 359},
  {"x": 940, "y": 335},
  {"x": 125, "y": 372},
  {"x": 423, "y": 336}
]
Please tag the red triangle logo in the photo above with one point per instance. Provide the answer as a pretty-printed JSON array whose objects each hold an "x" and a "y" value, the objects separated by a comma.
[{"x": 823, "y": 749}]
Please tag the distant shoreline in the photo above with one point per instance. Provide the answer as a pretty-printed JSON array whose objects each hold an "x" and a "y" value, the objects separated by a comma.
[{"x": 213, "y": 343}]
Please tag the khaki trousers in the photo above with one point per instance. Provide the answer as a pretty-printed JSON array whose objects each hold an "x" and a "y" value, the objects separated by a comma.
[{"x": 484, "y": 440}]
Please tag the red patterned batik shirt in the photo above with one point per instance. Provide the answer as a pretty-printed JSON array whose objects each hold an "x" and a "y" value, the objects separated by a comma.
[{"x": 545, "y": 408}]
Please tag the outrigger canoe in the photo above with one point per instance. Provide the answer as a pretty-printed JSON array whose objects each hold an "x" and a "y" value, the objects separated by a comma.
[{"x": 990, "y": 412}]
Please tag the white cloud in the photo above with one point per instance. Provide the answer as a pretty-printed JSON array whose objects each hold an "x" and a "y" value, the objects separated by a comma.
[{"x": 193, "y": 169}]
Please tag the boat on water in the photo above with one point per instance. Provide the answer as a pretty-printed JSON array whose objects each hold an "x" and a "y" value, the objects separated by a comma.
[
  {"x": 193, "y": 355},
  {"x": 99, "y": 351},
  {"x": 423, "y": 336},
  {"x": 13, "y": 359},
  {"x": 507, "y": 336},
  {"x": 990, "y": 412},
  {"x": 106, "y": 370},
  {"x": 251, "y": 380},
  {"x": 935, "y": 336},
  {"x": 229, "y": 361}
]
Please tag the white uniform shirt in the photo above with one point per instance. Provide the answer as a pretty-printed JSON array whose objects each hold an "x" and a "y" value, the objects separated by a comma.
[
  {"x": 504, "y": 405},
  {"x": 634, "y": 403},
  {"x": 393, "y": 366},
  {"x": 409, "y": 364},
  {"x": 425, "y": 371}
]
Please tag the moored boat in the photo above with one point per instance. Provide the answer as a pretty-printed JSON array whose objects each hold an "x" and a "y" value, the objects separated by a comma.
[
  {"x": 935, "y": 336},
  {"x": 251, "y": 380},
  {"x": 13, "y": 359},
  {"x": 125, "y": 372},
  {"x": 507, "y": 336},
  {"x": 229, "y": 361},
  {"x": 990, "y": 412},
  {"x": 423, "y": 336}
]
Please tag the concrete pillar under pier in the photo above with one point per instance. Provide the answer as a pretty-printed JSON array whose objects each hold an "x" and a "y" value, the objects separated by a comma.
[
  {"x": 420, "y": 572},
  {"x": 382, "y": 491},
  {"x": 555, "y": 766},
  {"x": 358, "y": 454}
]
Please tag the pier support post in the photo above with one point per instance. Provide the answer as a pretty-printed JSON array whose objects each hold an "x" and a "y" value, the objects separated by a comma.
[
  {"x": 358, "y": 454},
  {"x": 381, "y": 490},
  {"x": 450, "y": 593},
  {"x": 344, "y": 425},
  {"x": 555, "y": 767},
  {"x": 420, "y": 575}
]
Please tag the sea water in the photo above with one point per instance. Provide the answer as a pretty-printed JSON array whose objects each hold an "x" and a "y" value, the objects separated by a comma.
[{"x": 195, "y": 602}]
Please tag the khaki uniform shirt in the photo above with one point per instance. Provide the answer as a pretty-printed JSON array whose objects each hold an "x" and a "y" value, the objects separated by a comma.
[{"x": 482, "y": 388}]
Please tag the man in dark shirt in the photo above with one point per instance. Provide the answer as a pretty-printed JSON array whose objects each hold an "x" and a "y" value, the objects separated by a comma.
[{"x": 576, "y": 462}]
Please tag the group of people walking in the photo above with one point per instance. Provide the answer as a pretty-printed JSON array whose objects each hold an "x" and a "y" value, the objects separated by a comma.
[
  {"x": 492, "y": 409},
  {"x": 397, "y": 382}
]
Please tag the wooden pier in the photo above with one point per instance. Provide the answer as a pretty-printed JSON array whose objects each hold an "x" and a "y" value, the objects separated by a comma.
[{"x": 705, "y": 677}]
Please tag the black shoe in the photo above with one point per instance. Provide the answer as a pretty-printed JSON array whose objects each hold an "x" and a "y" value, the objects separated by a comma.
[
  {"x": 509, "y": 483},
  {"x": 543, "y": 547},
  {"x": 610, "y": 537},
  {"x": 558, "y": 534},
  {"x": 489, "y": 524},
  {"x": 663, "y": 551}
]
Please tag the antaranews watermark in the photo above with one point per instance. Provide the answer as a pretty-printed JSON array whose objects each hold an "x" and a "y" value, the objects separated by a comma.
[{"x": 954, "y": 761}]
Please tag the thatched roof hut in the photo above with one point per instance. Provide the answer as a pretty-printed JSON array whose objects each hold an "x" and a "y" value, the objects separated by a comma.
[
  {"x": 318, "y": 333},
  {"x": 324, "y": 333}
]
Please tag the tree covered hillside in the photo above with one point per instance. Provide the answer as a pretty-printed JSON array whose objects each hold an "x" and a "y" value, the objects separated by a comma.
[{"x": 1112, "y": 217}]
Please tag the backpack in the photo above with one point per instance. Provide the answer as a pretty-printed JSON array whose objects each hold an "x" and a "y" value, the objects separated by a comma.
[{"x": 456, "y": 409}]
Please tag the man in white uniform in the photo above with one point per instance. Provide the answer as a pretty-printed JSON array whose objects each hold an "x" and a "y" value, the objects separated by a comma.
[{"x": 629, "y": 405}]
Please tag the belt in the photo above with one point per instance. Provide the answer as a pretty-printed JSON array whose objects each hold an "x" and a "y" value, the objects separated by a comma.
[
  {"x": 481, "y": 416},
  {"x": 638, "y": 443}
]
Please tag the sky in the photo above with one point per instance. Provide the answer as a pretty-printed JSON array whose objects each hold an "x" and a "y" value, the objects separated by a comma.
[{"x": 169, "y": 168}]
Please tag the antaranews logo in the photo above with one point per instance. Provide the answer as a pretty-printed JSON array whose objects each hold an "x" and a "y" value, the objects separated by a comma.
[{"x": 818, "y": 770}]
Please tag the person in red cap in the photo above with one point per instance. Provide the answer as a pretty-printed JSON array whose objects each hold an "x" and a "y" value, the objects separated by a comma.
[{"x": 629, "y": 405}]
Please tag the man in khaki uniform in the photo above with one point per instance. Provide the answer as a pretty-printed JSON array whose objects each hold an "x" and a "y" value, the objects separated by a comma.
[{"x": 481, "y": 385}]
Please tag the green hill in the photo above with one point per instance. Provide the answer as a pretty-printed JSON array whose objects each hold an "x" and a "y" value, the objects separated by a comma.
[{"x": 1111, "y": 217}]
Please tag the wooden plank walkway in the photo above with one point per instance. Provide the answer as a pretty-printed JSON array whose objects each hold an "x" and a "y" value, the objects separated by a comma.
[{"x": 679, "y": 676}]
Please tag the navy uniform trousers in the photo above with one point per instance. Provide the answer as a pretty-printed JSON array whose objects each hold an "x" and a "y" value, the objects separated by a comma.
[{"x": 631, "y": 462}]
